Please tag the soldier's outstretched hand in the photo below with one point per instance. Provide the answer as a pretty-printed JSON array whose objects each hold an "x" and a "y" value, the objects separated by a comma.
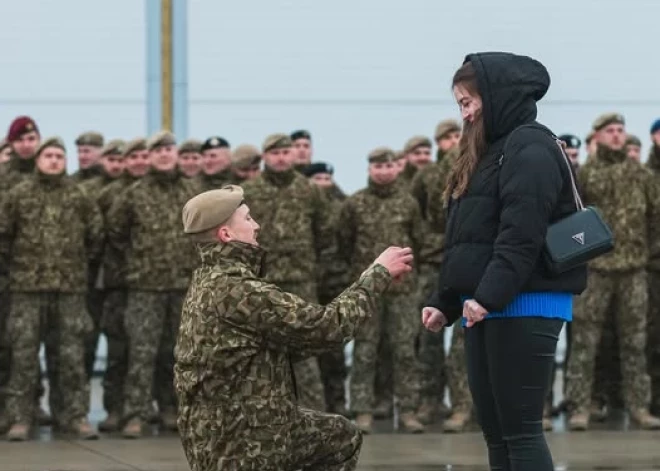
[{"x": 397, "y": 260}]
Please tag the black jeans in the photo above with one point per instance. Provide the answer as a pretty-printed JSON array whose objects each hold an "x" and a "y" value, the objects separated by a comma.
[{"x": 509, "y": 365}]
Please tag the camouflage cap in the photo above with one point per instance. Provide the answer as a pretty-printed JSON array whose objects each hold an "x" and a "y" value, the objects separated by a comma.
[
  {"x": 135, "y": 145},
  {"x": 161, "y": 139},
  {"x": 276, "y": 141},
  {"x": 416, "y": 142},
  {"x": 445, "y": 127},
  {"x": 211, "y": 208},
  {"x": 245, "y": 156},
  {"x": 114, "y": 147},
  {"x": 633, "y": 140},
  {"x": 90, "y": 138},
  {"x": 607, "y": 119},
  {"x": 399, "y": 155},
  {"x": 381, "y": 155},
  {"x": 51, "y": 142},
  {"x": 190, "y": 146}
]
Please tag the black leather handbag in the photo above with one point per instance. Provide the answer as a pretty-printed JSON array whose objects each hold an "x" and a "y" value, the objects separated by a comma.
[{"x": 578, "y": 238}]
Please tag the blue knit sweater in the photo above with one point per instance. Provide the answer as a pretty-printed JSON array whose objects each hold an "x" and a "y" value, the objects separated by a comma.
[{"x": 550, "y": 305}]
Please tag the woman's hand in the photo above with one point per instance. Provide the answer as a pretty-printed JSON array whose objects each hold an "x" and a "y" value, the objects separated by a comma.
[
  {"x": 473, "y": 312},
  {"x": 433, "y": 319}
]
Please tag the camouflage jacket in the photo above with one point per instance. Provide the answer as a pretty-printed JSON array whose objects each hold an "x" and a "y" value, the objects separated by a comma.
[
  {"x": 50, "y": 231},
  {"x": 408, "y": 175},
  {"x": 83, "y": 175},
  {"x": 295, "y": 224},
  {"x": 629, "y": 201},
  {"x": 144, "y": 223},
  {"x": 653, "y": 164},
  {"x": 233, "y": 353},
  {"x": 213, "y": 182},
  {"x": 333, "y": 270},
  {"x": 375, "y": 218},
  {"x": 93, "y": 186}
]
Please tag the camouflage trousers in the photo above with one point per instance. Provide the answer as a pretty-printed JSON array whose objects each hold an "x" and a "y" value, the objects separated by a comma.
[
  {"x": 114, "y": 329},
  {"x": 397, "y": 315},
  {"x": 311, "y": 441},
  {"x": 459, "y": 390},
  {"x": 627, "y": 294},
  {"x": 5, "y": 351},
  {"x": 62, "y": 322},
  {"x": 147, "y": 315},
  {"x": 333, "y": 373},
  {"x": 606, "y": 389},
  {"x": 95, "y": 301},
  {"x": 653, "y": 343},
  {"x": 310, "y": 390},
  {"x": 384, "y": 389}
]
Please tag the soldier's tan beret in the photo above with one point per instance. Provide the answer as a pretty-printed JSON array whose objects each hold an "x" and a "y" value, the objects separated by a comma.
[
  {"x": 211, "y": 208},
  {"x": 191, "y": 145},
  {"x": 276, "y": 141},
  {"x": 382, "y": 155},
  {"x": 135, "y": 145},
  {"x": 607, "y": 119},
  {"x": 415, "y": 142},
  {"x": 90, "y": 138},
  {"x": 445, "y": 127},
  {"x": 161, "y": 139},
  {"x": 114, "y": 147},
  {"x": 51, "y": 142},
  {"x": 633, "y": 140},
  {"x": 245, "y": 156}
]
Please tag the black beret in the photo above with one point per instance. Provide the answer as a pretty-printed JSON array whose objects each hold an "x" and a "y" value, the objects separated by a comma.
[
  {"x": 572, "y": 142},
  {"x": 318, "y": 167},
  {"x": 300, "y": 134},
  {"x": 215, "y": 142}
]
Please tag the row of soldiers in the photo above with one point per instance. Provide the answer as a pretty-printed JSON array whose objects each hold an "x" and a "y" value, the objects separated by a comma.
[{"x": 102, "y": 250}]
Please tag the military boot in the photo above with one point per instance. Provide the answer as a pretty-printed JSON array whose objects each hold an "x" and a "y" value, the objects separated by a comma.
[
  {"x": 168, "y": 421},
  {"x": 645, "y": 420},
  {"x": 410, "y": 424},
  {"x": 457, "y": 422},
  {"x": 110, "y": 424},
  {"x": 83, "y": 430},
  {"x": 578, "y": 422},
  {"x": 133, "y": 429},
  {"x": 364, "y": 423},
  {"x": 427, "y": 412},
  {"x": 384, "y": 409},
  {"x": 19, "y": 433}
]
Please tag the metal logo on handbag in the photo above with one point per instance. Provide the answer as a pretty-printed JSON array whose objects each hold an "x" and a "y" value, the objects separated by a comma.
[{"x": 579, "y": 238}]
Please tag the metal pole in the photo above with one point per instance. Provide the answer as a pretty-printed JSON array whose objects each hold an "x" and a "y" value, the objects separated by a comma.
[
  {"x": 166, "y": 63},
  {"x": 154, "y": 85},
  {"x": 180, "y": 68}
]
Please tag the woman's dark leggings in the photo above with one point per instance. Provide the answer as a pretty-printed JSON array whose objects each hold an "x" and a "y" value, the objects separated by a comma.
[{"x": 509, "y": 365}]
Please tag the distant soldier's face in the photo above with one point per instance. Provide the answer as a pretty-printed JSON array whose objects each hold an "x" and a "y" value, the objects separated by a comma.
[
  {"x": 88, "y": 156},
  {"x": 420, "y": 157},
  {"x": 5, "y": 155},
  {"x": 138, "y": 163},
  {"x": 190, "y": 163},
  {"x": 302, "y": 149},
  {"x": 163, "y": 158},
  {"x": 26, "y": 145},
  {"x": 383, "y": 173},
  {"x": 113, "y": 165},
  {"x": 322, "y": 180},
  {"x": 634, "y": 152},
  {"x": 572, "y": 154},
  {"x": 240, "y": 227},
  {"x": 248, "y": 173},
  {"x": 448, "y": 141},
  {"x": 216, "y": 160},
  {"x": 51, "y": 161},
  {"x": 613, "y": 136},
  {"x": 279, "y": 160}
]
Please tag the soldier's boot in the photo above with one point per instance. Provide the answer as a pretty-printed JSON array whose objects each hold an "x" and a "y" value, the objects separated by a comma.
[
  {"x": 168, "y": 421},
  {"x": 645, "y": 420},
  {"x": 365, "y": 423},
  {"x": 457, "y": 422},
  {"x": 384, "y": 409},
  {"x": 410, "y": 424},
  {"x": 598, "y": 412},
  {"x": 578, "y": 422},
  {"x": 132, "y": 429},
  {"x": 83, "y": 430},
  {"x": 110, "y": 424},
  {"x": 427, "y": 413},
  {"x": 19, "y": 433},
  {"x": 43, "y": 418}
]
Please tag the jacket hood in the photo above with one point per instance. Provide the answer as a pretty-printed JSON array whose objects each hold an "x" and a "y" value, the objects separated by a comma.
[{"x": 510, "y": 85}]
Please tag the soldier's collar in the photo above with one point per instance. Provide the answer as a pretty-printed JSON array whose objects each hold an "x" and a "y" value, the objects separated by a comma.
[{"x": 231, "y": 253}]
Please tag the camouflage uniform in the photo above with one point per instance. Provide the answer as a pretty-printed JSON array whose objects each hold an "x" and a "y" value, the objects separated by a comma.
[
  {"x": 213, "y": 182},
  {"x": 628, "y": 199},
  {"x": 144, "y": 224},
  {"x": 653, "y": 343},
  {"x": 370, "y": 221},
  {"x": 49, "y": 233},
  {"x": 233, "y": 370},
  {"x": 295, "y": 229},
  {"x": 87, "y": 174}
]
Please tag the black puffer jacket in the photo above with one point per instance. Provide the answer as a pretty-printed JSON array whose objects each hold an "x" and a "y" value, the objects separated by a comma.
[{"x": 496, "y": 230}]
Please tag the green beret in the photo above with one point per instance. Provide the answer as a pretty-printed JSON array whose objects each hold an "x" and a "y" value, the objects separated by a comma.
[
  {"x": 607, "y": 119},
  {"x": 416, "y": 142},
  {"x": 135, "y": 145},
  {"x": 445, "y": 127},
  {"x": 245, "y": 156},
  {"x": 90, "y": 138},
  {"x": 382, "y": 155},
  {"x": 211, "y": 208},
  {"x": 161, "y": 139},
  {"x": 633, "y": 140},
  {"x": 114, "y": 147},
  {"x": 276, "y": 141},
  {"x": 191, "y": 145},
  {"x": 51, "y": 142}
]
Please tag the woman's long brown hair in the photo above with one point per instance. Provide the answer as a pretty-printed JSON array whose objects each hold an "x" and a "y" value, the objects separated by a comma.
[{"x": 473, "y": 139}]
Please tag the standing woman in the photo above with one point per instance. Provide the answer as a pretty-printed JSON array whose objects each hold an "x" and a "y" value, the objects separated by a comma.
[{"x": 500, "y": 204}]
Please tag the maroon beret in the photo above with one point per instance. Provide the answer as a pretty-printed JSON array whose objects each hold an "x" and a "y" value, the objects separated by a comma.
[{"x": 21, "y": 125}]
